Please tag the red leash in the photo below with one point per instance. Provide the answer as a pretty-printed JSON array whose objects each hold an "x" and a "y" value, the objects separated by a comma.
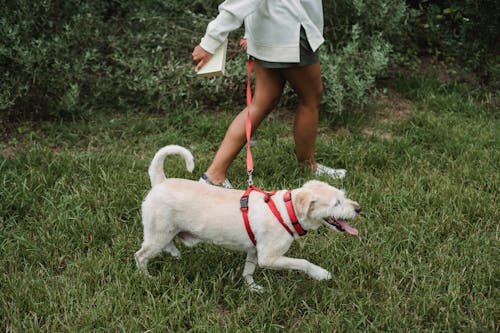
[{"x": 249, "y": 124}]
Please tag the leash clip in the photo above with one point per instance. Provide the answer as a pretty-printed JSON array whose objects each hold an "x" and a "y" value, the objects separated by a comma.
[{"x": 250, "y": 178}]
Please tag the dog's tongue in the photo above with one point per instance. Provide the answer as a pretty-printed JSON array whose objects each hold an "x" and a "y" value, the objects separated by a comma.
[{"x": 350, "y": 230}]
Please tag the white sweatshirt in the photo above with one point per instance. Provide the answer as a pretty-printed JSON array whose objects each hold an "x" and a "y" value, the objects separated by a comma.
[{"x": 272, "y": 27}]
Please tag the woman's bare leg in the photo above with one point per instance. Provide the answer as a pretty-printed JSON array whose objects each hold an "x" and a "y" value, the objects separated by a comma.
[
  {"x": 306, "y": 82},
  {"x": 269, "y": 85}
]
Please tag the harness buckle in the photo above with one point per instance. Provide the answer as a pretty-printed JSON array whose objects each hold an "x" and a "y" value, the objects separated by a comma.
[{"x": 244, "y": 202}]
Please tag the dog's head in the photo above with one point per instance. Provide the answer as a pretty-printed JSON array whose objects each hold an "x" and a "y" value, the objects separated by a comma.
[{"x": 317, "y": 203}]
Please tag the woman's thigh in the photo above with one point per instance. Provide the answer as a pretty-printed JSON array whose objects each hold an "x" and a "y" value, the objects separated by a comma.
[
  {"x": 269, "y": 84},
  {"x": 306, "y": 82}
]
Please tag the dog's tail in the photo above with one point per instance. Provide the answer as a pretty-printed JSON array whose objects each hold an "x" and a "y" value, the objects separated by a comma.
[{"x": 155, "y": 171}]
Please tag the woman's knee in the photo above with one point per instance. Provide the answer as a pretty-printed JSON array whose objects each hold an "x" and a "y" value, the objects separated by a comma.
[
  {"x": 260, "y": 111},
  {"x": 320, "y": 89},
  {"x": 273, "y": 103},
  {"x": 318, "y": 92},
  {"x": 265, "y": 101},
  {"x": 312, "y": 98},
  {"x": 307, "y": 83}
]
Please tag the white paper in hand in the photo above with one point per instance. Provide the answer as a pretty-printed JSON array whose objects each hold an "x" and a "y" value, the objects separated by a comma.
[{"x": 217, "y": 63}]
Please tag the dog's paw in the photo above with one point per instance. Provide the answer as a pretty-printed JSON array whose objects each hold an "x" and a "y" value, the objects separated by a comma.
[
  {"x": 254, "y": 287},
  {"x": 145, "y": 272},
  {"x": 321, "y": 274}
]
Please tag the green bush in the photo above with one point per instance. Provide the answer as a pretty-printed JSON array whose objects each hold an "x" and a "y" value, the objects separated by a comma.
[
  {"x": 463, "y": 32},
  {"x": 359, "y": 38},
  {"x": 68, "y": 58},
  {"x": 42, "y": 56}
]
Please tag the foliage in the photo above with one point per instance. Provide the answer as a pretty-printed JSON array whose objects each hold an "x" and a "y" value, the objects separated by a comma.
[
  {"x": 464, "y": 32},
  {"x": 72, "y": 58},
  {"x": 350, "y": 73},
  {"x": 358, "y": 48},
  {"x": 43, "y": 56},
  {"x": 67, "y": 59}
]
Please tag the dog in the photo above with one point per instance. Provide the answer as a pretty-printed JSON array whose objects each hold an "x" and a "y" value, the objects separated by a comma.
[{"x": 195, "y": 212}]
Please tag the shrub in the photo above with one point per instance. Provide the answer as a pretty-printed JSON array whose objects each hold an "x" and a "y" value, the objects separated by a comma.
[
  {"x": 359, "y": 47},
  {"x": 464, "y": 32},
  {"x": 48, "y": 50},
  {"x": 70, "y": 58}
]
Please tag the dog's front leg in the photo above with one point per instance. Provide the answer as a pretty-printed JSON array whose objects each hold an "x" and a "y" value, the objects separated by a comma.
[
  {"x": 282, "y": 262},
  {"x": 250, "y": 264}
]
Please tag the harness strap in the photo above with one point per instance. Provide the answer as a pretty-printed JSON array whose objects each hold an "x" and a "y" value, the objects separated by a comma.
[
  {"x": 287, "y": 198},
  {"x": 244, "y": 212},
  {"x": 275, "y": 211}
]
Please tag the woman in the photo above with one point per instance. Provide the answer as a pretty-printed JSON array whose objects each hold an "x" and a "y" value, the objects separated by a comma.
[{"x": 283, "y": 38}]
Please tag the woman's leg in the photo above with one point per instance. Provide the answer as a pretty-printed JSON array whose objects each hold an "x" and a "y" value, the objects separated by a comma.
[
  {"x": 268, "y": 88},
  {"x": 306, "y": 82}
]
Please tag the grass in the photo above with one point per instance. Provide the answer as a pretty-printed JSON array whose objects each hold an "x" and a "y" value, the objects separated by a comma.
[{"x": 426, "y": 258}]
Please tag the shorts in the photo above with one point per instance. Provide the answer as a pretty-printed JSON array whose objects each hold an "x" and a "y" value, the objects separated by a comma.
[{"x": 307, "y": 55}]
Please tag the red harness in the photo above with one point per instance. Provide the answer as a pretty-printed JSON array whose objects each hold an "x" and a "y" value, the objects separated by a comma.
[{"x": 287, "y": 198}]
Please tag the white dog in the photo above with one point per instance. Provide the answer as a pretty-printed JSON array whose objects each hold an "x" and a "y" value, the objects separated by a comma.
[{"x": 196, "y": 212}]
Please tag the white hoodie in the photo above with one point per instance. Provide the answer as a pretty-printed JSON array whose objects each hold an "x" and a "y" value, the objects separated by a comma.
[{"x": 272, "y": 27}]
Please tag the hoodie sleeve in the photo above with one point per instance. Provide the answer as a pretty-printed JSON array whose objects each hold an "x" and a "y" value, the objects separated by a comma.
[{"x": 231, "y": 16}]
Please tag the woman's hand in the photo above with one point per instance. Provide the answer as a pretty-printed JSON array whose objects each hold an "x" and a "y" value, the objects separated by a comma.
[
  {"x": 200, "y": 57},
  {"x": 243, "y": 43}
]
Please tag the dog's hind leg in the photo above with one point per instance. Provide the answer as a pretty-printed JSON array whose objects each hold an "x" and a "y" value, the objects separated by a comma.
[
  {"x": 155, "y": 241},
  {"x": 250, "y": 264},
  {"x": 146, "y": 253},
  {"x": 173, "y": 250}
]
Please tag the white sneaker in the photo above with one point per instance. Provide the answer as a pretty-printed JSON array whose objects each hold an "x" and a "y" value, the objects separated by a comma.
[
  {"x": 225, "y": 184},
  {"x": 323, "y": 170}
]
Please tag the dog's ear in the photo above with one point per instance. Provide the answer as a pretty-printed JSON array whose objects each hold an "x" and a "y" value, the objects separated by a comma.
[{"x": 304, "y": 203}]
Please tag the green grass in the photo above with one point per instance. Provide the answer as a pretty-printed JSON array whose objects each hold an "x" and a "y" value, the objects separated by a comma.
[{"x": 426, "y": 258}]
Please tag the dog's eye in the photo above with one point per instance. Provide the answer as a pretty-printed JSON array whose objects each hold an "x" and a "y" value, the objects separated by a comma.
[{"x": 337, "y": 203}]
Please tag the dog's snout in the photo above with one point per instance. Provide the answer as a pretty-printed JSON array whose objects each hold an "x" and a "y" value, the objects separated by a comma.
[{"x": 357, "y": 209}]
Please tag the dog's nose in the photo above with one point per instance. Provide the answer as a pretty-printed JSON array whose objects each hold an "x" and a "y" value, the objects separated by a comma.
[{"x": 357, "y": 209}]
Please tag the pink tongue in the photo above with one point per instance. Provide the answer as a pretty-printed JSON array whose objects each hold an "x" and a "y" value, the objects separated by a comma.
[{"x": 348, "y": 228}]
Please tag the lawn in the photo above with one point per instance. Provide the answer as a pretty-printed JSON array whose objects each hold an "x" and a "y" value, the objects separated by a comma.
[{"x": 423, "y": 161}]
